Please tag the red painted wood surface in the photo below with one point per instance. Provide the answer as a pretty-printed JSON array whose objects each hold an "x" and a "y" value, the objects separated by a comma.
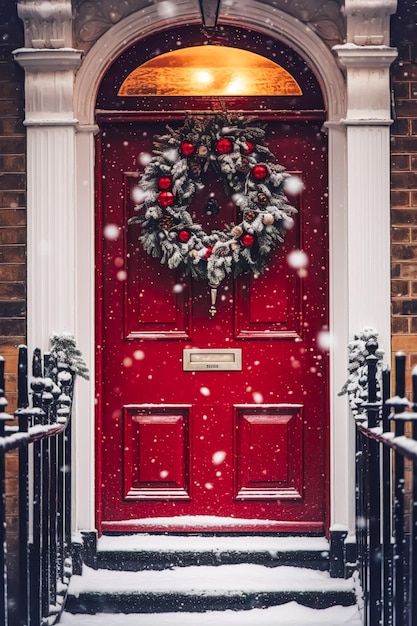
[{"x": 248, "y": 444}]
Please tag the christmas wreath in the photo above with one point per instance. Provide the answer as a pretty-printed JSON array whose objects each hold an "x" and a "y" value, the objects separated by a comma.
[{"x": 233, "y": 145}]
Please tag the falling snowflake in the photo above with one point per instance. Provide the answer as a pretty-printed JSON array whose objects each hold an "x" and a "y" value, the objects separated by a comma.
[
  {"x": 293, "y": 185},
  {"x": 218, "y": 457},
  {"x": 166, "y": 9},
  {"x": 297, "y": 259},
  {"x": 145, "y": 158},
  {"x": 111, "y": 232},
  {"x": 138, "y": 195},
  {"x": 325, "y": 340}
]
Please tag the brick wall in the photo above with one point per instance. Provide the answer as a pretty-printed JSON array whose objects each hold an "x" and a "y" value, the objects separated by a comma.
[
  {"x": 12, "y": 238},
  {"x": 12, "y": 186},
  {"x": 404, "y": 185}
]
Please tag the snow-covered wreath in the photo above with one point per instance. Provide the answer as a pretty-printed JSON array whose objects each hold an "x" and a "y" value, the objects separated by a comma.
[{"x": 233, "y": 145}]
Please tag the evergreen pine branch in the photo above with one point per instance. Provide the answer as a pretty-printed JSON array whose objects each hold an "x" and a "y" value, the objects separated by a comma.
[{"x": 64, "y": 350}]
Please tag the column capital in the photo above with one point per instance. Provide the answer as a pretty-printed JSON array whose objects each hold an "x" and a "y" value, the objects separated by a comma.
[
  {"x": 366, "y": 57},
  {"x": 368, "y": 21},
  {"x": 49, "y": 85},
  {"x": 48, "y": 59},
  {"x": 367, "y": 79},
  {"x": 47, "y": 24}
]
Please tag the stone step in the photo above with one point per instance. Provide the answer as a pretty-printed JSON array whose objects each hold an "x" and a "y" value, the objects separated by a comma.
[
  {"x": 289, "y": 614},
  {"x": 150, "y": 551},
  {"x": 205, "y": 588}
]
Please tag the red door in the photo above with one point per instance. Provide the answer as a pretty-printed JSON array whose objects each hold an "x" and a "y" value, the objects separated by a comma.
[{"x": 211, "y": 449}]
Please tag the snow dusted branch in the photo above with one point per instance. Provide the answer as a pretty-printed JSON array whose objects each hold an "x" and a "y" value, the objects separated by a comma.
[
  {"x": 356, "y": 385},
  {"x": 64, "y": 350}
]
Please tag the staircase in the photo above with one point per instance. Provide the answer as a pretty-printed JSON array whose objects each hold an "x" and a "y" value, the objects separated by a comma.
[{"x": 146, "y": 579}]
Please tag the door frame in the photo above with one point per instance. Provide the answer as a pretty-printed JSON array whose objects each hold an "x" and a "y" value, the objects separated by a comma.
[{"x": 358, "y": 126}]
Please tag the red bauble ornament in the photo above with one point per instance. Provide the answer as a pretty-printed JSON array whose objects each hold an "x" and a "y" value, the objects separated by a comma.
[
  {"x": 248, "y": 240},
  {"x": 164, "y": 182},
  {"x": 208, "y": 253},
  {"x": 187, "y": 148},
  {"x": 224, "y": 146},
  {"x": 249, "y": 148},
  {"x": 260, "y": 172},
  {"x": 166, "y": 198},
  {"x": 184, "y": 236}
]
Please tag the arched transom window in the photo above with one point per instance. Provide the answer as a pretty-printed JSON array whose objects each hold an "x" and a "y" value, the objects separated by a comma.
[{"x": 209, "y": 70}]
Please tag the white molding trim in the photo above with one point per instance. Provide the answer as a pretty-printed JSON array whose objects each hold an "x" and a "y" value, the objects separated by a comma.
[{"x": 348, "y": 183}]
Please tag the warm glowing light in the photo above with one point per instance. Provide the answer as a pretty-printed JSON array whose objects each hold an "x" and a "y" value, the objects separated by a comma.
[
  {"x": 204, "y": 77},
  {"x": 211, "y": 71},
  {"x": 236, "y": 86}
]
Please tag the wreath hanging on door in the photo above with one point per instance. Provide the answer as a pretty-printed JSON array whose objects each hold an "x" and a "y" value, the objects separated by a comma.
[{"x": 233, "y": 145}]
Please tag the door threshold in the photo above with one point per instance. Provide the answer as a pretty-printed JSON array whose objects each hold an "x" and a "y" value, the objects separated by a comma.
[{"x": 210, "y": 524}]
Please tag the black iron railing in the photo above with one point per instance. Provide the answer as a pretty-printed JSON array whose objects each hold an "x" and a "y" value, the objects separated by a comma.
[
  {"x": 386, "y": 497},
  {"x": 43, "y": 441}
]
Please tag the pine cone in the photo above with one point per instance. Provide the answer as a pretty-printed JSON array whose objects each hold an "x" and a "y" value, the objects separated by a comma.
[
  {"x": 249, "y": 216},
  {"x": 195, "y": 168},
  {"x": 167, "y": 222},
  {"x": 244, "y": 167}
]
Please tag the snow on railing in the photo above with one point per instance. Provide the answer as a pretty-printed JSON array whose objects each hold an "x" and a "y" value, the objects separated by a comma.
[
  {"x": 386, "y": 496},
  {"x": 42, "y": 439}
]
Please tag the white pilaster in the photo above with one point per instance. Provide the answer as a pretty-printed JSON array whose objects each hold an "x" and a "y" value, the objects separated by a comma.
[
  {"x": 367, "y": 244},
  {"x": 50, "y": 190},
  {"x": 368, "y": 195}
]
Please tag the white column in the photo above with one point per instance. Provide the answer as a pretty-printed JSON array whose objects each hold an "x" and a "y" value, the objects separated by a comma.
[
  {"x": 368, "y": 194},
  {"x": 50, "y": 190},
  {"x": 367, "y": 244},
  {"x": 369, "y": 230},
  {"x": 365, "y": 257}
]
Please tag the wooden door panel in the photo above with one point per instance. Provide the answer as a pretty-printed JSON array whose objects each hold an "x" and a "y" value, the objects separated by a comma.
[
  {"x": 156, "y": 301},
  {"x": 269, "y": 452},
  {"x": 263, "y": 311},
  {"x": 156, "y": 453},
  {"x": 270, "y": 305}
]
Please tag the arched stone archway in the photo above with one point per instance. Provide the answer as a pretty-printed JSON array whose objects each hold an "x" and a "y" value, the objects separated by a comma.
[
  {"x": 260, "y": 17},
  {"x": 278, "y": 25}
]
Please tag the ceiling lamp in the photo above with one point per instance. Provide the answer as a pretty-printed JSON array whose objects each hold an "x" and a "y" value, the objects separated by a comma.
[{"x": 209, "y": 12}]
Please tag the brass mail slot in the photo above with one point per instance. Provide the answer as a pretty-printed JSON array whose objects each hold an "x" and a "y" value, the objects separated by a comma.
[{"x": 212, "y": 359}]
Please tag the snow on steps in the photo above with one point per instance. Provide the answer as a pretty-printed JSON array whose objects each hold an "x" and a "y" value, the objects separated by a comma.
[
  {"x": 291, "y": 614},
  {"x": 145, "y": 551},
  {"x": 221, "y": 580}
]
